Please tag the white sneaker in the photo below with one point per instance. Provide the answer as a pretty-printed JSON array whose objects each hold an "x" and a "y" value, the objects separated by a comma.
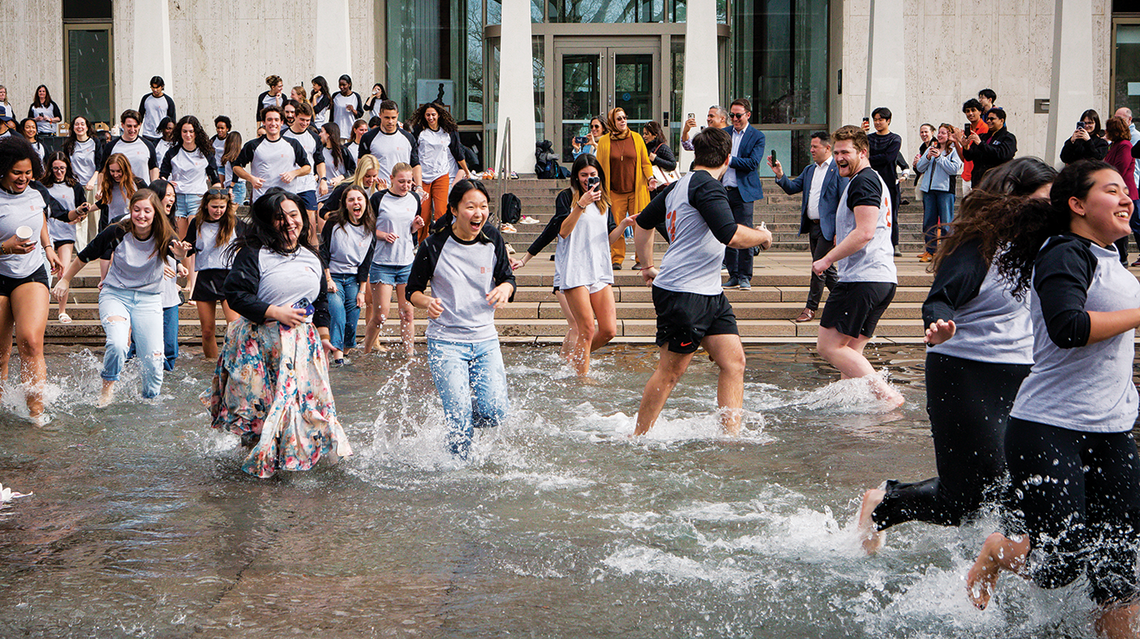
[{"x": 526, "y": 219}]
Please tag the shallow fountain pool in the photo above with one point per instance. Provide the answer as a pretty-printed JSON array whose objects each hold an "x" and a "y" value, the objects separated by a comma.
[{"x": 563, "y": 525}]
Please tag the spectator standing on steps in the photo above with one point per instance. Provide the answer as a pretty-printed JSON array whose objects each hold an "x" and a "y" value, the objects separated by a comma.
[
  {"x": 742, "y": 181},
  {"x": 821, "y": 186},
  {"x": 885, "y": 148},
  {"x": 991, "y": 149}
]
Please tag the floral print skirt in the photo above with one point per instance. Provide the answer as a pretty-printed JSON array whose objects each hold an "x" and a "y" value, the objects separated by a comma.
[{"x": 272, "y": 381}]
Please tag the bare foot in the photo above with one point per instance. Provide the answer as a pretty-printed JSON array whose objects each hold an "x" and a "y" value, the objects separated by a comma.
[
  {"x": 871, "y": 538},
  {"x": 890, "y": 397},
  {"x": 107, "y": 395},
  {"x": 982, "y": 578}
]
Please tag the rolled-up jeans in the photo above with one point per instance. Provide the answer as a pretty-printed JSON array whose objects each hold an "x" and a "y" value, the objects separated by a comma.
[
  {"x": 344, "y": 314},
  {"x": 142, "y": 321},
  {"x": 472, "y": 385}
]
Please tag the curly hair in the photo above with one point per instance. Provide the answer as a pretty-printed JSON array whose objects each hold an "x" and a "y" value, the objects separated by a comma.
[
  {"x": 446, "y": 122},
  {"x": 988, "y": 213},
  {"x": 1037, "y": 220}
]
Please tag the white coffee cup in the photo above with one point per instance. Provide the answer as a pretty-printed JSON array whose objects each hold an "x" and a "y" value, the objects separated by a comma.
[{"x": 24, "y": 233}]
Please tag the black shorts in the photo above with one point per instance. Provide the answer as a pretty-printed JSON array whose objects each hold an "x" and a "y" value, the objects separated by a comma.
[
  {"x": 684, "y": 319},
  {"x": 854, "y": 308},
  {"x": 209, "y": 285},
  {"x": 9, "y": 284},
  {"x": 58, "y": 243}
]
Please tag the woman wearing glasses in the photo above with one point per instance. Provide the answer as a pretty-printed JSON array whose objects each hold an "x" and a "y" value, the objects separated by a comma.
[
  {"x": 590, "y": 146},
  {"x": 628, "y": 174}
]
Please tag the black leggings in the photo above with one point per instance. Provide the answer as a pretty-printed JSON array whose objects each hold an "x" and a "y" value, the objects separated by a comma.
[
  {"x": 968, "y": 403},
  {"x": 1080, "y": 496}
]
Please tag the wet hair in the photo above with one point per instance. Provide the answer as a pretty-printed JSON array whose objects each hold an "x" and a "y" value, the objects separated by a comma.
[
  {"x": 201, "y": 140},
  {"x": 72, "y": 138},
  {"x": 882, "y": 112},
  {"x": 337, "y": 153},
  {"x": 36, "y": 96},
  {"x": 988, "y": 213},
  {"x": 341, "y": 217},
  {"x": 1116, "y": 129},
  {"x": 160, "y": 229},
  {"x": 272, "y": 81},
  {"x": 712, "y": 147},
  {"x": 823, "y": 136},
  {"x": 988, "y": 94},
  {"x": 446, "y": 122},
  {"x": 228, "y": 221},
  {"x": 972, "y": 103},
  {"x": 262, "y": 231},
  {"x": 232, "y": 149},
  {"x": 130, "y": 114},
  {"x": 1090, "y": 114},
  {"x": 580, "y": 163},
  {"x": 224, "y": 119},
  {"x": 14, "y": 149},
  {"x": 855, "y": 134},
  {"x": 49, "y": 175},
  {"x": 107, "y": 184},
  {"x": 1038, "y": 220},
  {"x": 389, "y": 105}
]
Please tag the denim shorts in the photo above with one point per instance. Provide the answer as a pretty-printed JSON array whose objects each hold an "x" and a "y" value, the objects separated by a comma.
[
  {"x": 186, "y": 204},
  {"x": 384, "y": 274},
  {"x": 310, "y": 199}
]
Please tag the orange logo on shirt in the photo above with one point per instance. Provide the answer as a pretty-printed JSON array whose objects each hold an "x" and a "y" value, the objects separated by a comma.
[{"x": 482, "y": 270}]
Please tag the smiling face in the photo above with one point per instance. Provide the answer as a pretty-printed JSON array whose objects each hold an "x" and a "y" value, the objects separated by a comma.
[
  {"x": 345, "y": 87},
  {"x": 18, "y": 177},
  {"x": 168, "y": 199},
  {"x": 1102, "y": 216},
  {"x": 973, "y": 115},
  {"x": 621, "y": 121},
  {"x": 924, "y": 133},
  {"x": 142, "y": 216},
  {"x": 358, "y": 131},
  {"x": 370, "y": 178},
  {"x": 471, "y": 214},
  {"x": 80, "y": 128},
  {"x": 59, "y": 170},
  {"x": 1090, "y": 124},
  {"x": 30, "y": 129},
  {"x": 41, "y": 94},
  {"x": 187, "y": 134},
  {"x": 584, "y": 176},
  {"x": 354, "y": 203},
  {"x": 293, "y": 95},
  {"x": 848, "y": 160},
  {"x": 115, "y": 172},
  {"x": 882, "y": 125},
  {"x": 301, "y": 122},
  {"x": 402, "y": 183},
  {"x": 290, "y": 113},
  {"x": 431, "y": 116},
  {"x": 739, "y": 117},
  {"x": 130, "y": 129},
  {"x": 290, "y": 222},
  {"x": 943, "y": 134},
  {"x": 222, "y": 130},
  {"x": 994, "y": 122},
  {"x": 168, "y": 131},
  {"x": 272, "y": 124}
]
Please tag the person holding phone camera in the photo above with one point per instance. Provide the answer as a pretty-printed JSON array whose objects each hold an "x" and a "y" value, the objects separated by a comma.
[
  {"x": 271, "y": 383},
  {"x": 1087, "y": 142},
  {"x": 972, "y": 109},
  {"x": 589, "y": 143},
  {"x": 717, "y": 118},
  {"x": 938, "y": 166},
  {"x": 991, "y": 149}
]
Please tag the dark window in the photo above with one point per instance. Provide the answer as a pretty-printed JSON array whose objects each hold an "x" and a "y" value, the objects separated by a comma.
[{"x": 86, "y": 9}]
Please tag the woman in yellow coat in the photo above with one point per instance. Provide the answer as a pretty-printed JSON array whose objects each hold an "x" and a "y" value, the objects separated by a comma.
[{"x": 628, "y": 174}]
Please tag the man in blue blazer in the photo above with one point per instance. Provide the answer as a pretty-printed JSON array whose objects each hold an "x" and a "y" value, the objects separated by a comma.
[
  {"x": 742, "y": 181},
  {"x": 822, "y": 187}
]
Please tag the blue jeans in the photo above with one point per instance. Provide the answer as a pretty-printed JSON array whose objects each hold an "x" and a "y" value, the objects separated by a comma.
[
  {"x": 344, "y": 314},
  {"x": 169, "y": 339},
  {"x": 937, "y": 209},
  {"x": 186, "y": 205},
  {"x": 143, "y": 322},
  {"x": 472, "y": 385}
]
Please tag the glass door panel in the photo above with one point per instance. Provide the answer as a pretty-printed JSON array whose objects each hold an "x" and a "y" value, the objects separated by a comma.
[
  {"x": 89, "y": 73},
  {"x": 581, "y": 99},
  {"x": 633, "y": 88}
]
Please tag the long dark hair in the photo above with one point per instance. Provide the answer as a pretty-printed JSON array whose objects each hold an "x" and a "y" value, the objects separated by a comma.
[
  {"x": 985, "y": 214},
  {"x": 323, "y": 84},
  {"x": 1038, "y": 220},
  {"x": 333, "y": 133},
  {"x": 341, "y": 216},
  {"x": 1095, "y": 117},
  {"x": 49, "y": 175},
  {"x": 262, "y": 231},
  {"x": 36, "y": 97},
  {"x": 446, "y": 122},
  {"x": 72, "y": 139},
  {"x": 581, "y": 162},
  {"x": 201, "y": 140}
]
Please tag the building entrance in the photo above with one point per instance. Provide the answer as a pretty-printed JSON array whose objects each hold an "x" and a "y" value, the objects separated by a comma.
[{"x": 591, "y": 78}]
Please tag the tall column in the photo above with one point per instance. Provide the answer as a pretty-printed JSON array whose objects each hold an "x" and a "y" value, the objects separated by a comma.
[
  {"x": 1072, "y": 81},
  {"x": 702, "y": 72},
  {"x": 516, "y": 88},
  {"x": 151, "y": 48},
  {"x": 886, "y": 67},
  {"x": 331, "y": 45}
]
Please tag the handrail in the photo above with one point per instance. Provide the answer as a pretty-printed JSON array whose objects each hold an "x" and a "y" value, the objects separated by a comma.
[{"x": 504, "y": 168}]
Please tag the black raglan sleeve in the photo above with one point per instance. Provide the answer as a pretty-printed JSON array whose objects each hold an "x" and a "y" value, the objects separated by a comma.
[
  {"x": 321, "y": 316},
  {"x": 709, "y": 197},
  {"x": 958, "y": 281},
  {"x": 242, "y": 283},
  {"x": 362, "y": 270},
  {"x": 502, "y": 270},
  {"x": 192, "y": 236},
  {"x": 103, "y": 243},
  {"x": 326, "y": 244},
  {"x": 1062, "y": 273}
]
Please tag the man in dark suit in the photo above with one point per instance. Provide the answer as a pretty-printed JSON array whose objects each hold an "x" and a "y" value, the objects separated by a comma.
[
  {"x": 742, "y": 181},
  {"x": 822, "y": 187}
]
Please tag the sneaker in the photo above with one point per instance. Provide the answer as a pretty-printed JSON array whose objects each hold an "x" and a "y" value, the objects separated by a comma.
[
  {"x": 898, "y": 253},
  {"x": 617, "y": 266},
  {"x": 507, "y": 227},
  {"x": 925, "y": 257},
  {"x": 745, "y": 285},
  {"x": 526, "y": 219},
  {"x": 1136, "y": 263},
  {"x": 339, "y": 362},
  {"x": 637, "y": 266},
  {"x": 732, "y": 283},
  {"x": 510, "y": 249}
]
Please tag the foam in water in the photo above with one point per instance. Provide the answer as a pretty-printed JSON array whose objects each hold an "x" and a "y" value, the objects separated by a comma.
[{"x": 844, "y": 396}]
